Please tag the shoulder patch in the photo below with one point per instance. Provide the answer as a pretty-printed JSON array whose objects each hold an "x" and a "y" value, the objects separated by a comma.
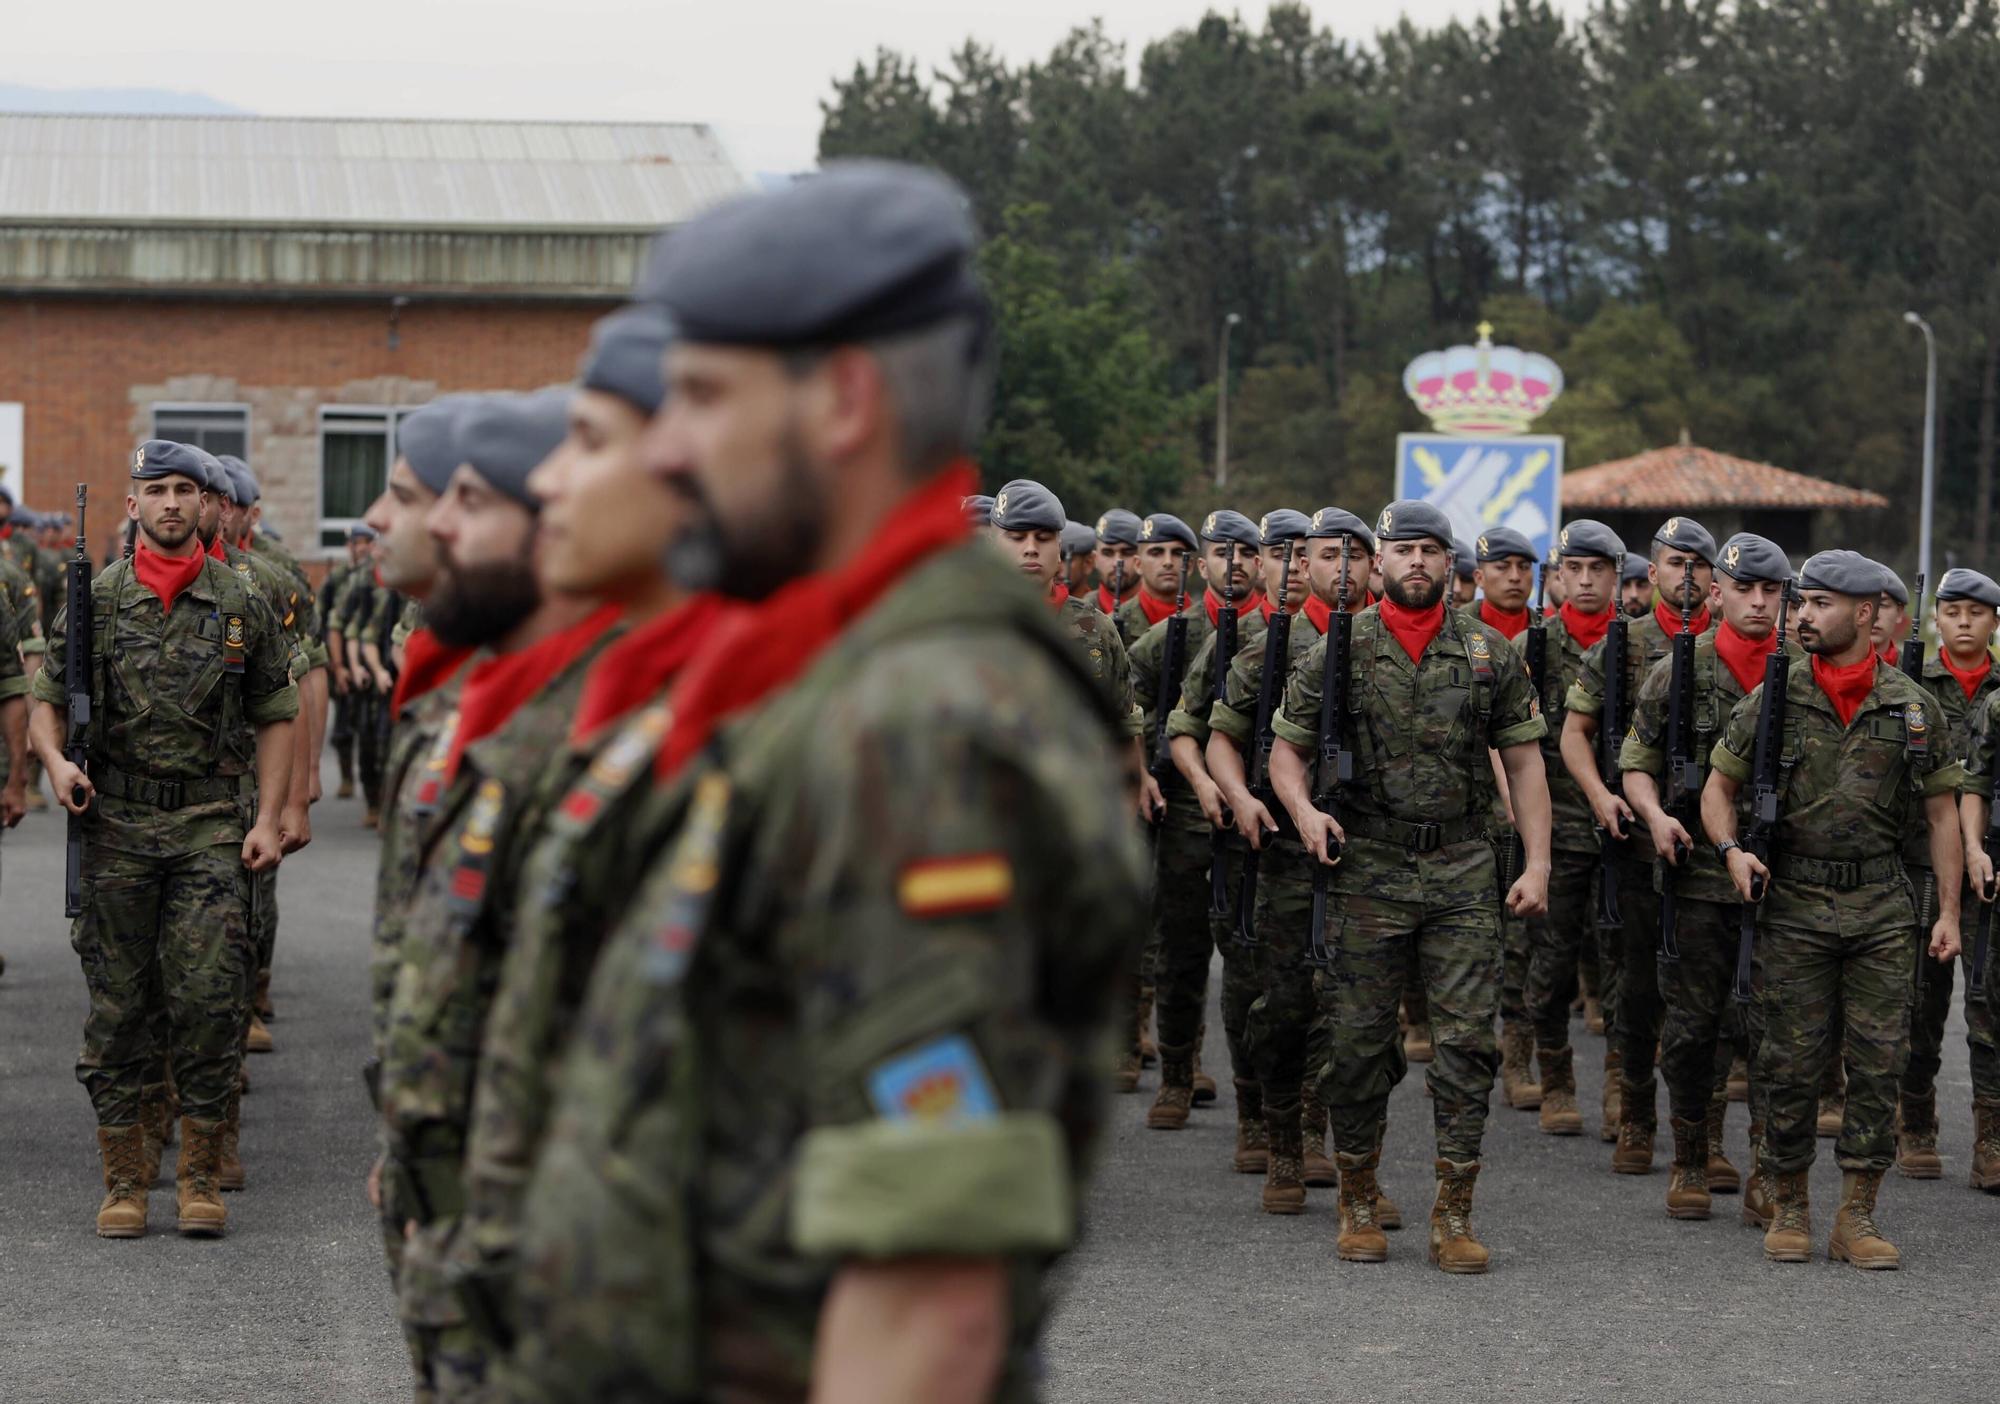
[
  {"x": 1480, "y": 648},
  {"x": 484, "y": 820},
  {"x": 955, "y": 886},
  {"x": 939, "y": 1081}
]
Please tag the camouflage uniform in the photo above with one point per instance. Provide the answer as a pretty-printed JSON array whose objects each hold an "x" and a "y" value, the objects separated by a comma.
[
  {"x": 1105, "y": 655},
  {"x": 173, "y": 758},
  {"x": 340, "y": 730},
  {"x": 858, "y": 1009},
  {"x": 1836, "y": 927},
  {"x": 1982, "y": 1017},
  {"x": 1416, "y": 880},
  {"x": 21, "y": 612},
  {"x": 1132, "y": 619},
  {"x": 355, "y": 613},
  {"x": 456, "y": 925}
]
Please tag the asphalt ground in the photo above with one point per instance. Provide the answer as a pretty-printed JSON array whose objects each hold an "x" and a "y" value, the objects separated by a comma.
[{"x": 1181, "y": 1291}]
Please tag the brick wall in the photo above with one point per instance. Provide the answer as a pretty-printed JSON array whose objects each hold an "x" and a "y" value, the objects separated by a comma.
[{"x": 89, "y": 371}]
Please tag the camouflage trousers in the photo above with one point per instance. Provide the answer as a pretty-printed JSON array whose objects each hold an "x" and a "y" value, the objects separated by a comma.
[
  {"x": 264, "y": 918},
  {"x": 1702, "y": 1017},
  {"x": 1181, "y": 924},
  {"x": 1239, "y": 967},
  {"x": 1837, "y": 966},
  {"x": 1516, "y": 944},
  {"x": 165, "y": 948},
  {"x": 1933, "y": 1007},
  {"x": 1287, "y": 1042},
  {"x": 1393, "y": 907},
  {"x": 1557, "y": 941},
  {"x": 449, "y": 1355},
  {"x": 1639, "y": 1012},
  {"x": 371, "y": 744}
]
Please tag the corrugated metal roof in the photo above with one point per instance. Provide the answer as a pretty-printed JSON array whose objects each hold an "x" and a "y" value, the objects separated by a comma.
[{"x": 358, "y": 174}]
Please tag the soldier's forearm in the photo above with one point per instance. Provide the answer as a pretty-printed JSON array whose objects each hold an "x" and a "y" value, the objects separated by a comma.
[
  {"x": 1718, "y": 807},
  {"x": 1528, "y": 787},
  {"x": 1642, "y": 792},
  {"x": 274, "y": 767},
  {"x": 1579, "y": 754},
  {"x": 1288, "y": 779},
  {"x": 47, "y": 730},
  {"x": 1973, "y": 813},
  {"x": 912, "y": 1331},
  {"x": 1947, "y": 853},
  {"x": 1225, "y": 767},
  {"x": 1186, "y": 754}
]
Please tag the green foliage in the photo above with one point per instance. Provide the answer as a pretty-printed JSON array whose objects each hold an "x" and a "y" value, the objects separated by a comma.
[{"x": 1713, "y": 215}]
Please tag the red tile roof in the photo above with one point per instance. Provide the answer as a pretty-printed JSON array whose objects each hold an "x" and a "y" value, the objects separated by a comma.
[{"x": 1686, "y": 477}]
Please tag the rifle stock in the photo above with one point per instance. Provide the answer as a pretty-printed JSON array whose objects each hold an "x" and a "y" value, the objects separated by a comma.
[
  {"x": 1277, "y": 650},
  {"x": 78, "y": 650},
  {"x": 1764, "y": 796},
  {"x": 1225, "y": 650},
  {"x": 1335, "y": 762},
  {"x": 1683, "y": 774},
  {"x": 1610, "y": 727},
  {"x": 1982, "y": 934}
]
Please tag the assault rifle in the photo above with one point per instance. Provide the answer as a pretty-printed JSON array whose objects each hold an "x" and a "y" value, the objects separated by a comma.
[
  {"x": 1610, "y": 729},
  {"x": 78, "y": 669},
  {"x": 1224, "y": 644},
  {"x": 1336, "y": 762},
  {"x": 1683, "y": 774},
  {"x": 1911, "y": 658},
  {"x": 1537, "y": 647},
  {"x": 1173, "y": 663},
  {"x": 1277, "y": 651},
  {"x": 1764, "y": 796},
  {"x": 1982, "y": 934}
]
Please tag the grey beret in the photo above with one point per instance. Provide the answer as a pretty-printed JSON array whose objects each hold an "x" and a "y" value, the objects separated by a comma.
[
  {"x": 266, "y": 529},
  {"x": 1498, "y": 543},
  {"x": 1282, "y": 524},
  {"x": 1226, "y": 525},
  {"x": 978, "y": 509},
  {"x": 863, "y": 249},
  {"x": 1894, "y": 588},
  {"x": 1165, "y": 526},
  {"x": 624, "y": 356},
  {"x": 1844, "y": 573},
  {"x": 163, "y": 458},
  {"x": 1962, "y": 584},
  {"x": 506, "y": 437},
  {"x": 1748, "y": 556},
  {"x": 1636, "y": 567},
  {"x": 25, "y": 519},
  {"x": 1338, "y": 521},
  {"x": 1464, "y": 560},
  {"x": 218, "y": 476},
  {"x": 1412, "y": 519},
  {"x": 1585, "y": 537},
  {"x": 361, "y": 531},
  {"x": 1686, "y": 534},
  {"x": 1118, "y": 527},
  {"x": 1025, "y": 505},
  {"x": 240, "y": 474},
  {"x": 1077, "y": 540},
  {"x": 427, "y": 439}
]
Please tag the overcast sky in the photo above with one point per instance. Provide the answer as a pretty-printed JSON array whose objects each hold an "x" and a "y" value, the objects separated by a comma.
[{"x": 757, "y": 69}]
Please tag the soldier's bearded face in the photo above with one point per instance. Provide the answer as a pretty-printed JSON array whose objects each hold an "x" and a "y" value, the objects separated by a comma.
[
  {"x": 1116, "y": 566},
  {"x": 210, "y": 521},
  {"x": 405, "y": 555},
  {"x": 167, "y": 510},
  {"x": 1228, "y": 568},
  {"x": 1749, "y": 606},
  {"x": 1831, "y": 624},
  {"x": 1416, "y": 573},
  {"x": 1508, "y": 582},
  {"x": 486, "y": 586},
  {"x": 607, "y": 523}
]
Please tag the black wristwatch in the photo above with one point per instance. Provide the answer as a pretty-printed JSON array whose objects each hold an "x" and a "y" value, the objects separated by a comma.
[{"x": 1722, "y": 850}]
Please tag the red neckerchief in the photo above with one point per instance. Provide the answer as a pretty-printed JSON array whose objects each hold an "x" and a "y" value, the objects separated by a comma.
[
  {"x": 495, "y": 689},
  {"x": 1969, "y": 680},
  {"x": 218, "y": 550},
  {"x": 1511, "y": 623},
  {"x": 1586, "y": 629},
  {"x": 1320, "y": 612},
  {"x": 1892, "y": 655},
  {"x": 165, "y": 576},
  {"x": 759, "y": 650},
  {"x": 1267, "y": 607},
  {"x": 1109, "y": 602},
  {"x": 1744, "y": 656},
  {"x": 6, "y": 531},
  {"x": 1669, "y": 620},
  {"x": 1215, "y": 604},
  {"x": 1058, "y": 595},
  {"x": 427, "y": 662},
  {"x": 1847, "y": 688},
  {"x": 1413, "y": 628},
  {"x": 1153, "y": 606},
  {"x": 637, "y": 668}
]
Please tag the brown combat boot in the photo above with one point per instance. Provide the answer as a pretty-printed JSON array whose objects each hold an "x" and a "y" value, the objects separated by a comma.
[
  {"x": 1789, "y": 1238},
  {"x": 1916, "y": 1139},
  {"x": 370, "y": 820},
  {"x": 1126, "y": 1078},
  {"x": 1284, "y": 1189},
  {"x": 202, "y": 1212},
  {"x": 261, "y": 1002},
  {"x": 1361, "y": 1238},
  {"x": 1204, "y": 1085},
  {"x": 1253, "y": 1147},
  {"x": 259, "y": 1038},
  {"x": 1611, "y": 1103},
  {"x": 1855, "y": 1239},
  {"x": 1518, "y": 1087},
  {"x": 123, "y": 1212},
  {"x": 1722, "y": 1176},
  {"x": 1687, "y": 1183},
  {"x": 154, "y": 1118},
  {"x": 1176, "y": 1095},
  {"x": 229, "y": 1170},
  {"x": 1739, "y": 1079},
  {"x": 1634, "y": 1152},
  {"x": 1760, "y": 1191},
  {"x": 1559, "y": 1116},
  {"x": 1985, "y": 1144},
  {"x": 1316, "y": 1168},
  {"x": 1453, "y": 1248}
]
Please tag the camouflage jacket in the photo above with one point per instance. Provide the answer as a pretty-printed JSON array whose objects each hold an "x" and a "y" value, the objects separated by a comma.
[
  {"x": 303, "y": 602},
  {"x": 1958, "y": 713},
  {"x": 21, "y": 599},
  {"x": 176, "y": 698},
  {"x": 1846, "y": 792},
  {"x": 331, "y": 590},
  {"x": 1190, "y": 714},
  {"x": 1646, "y": 646},
  {"x": 1104, "y": 654},
  {"x": 1133, "y": 621},
  {"x": 271, "y": 586},
  {"x": 1981, "y": 740},
  {"x": 860, "y": 1008},
  {"x": 1148, "y": 657},
  {"x": 1715, "y": 696},
  {"x": 1419, "y": 732},
  {"x": 1573, "y": 828},
  {"x": 1234, "y": 714}
]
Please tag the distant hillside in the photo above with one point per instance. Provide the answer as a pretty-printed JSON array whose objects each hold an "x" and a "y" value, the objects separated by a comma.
[{"x": 160, "y": 102}]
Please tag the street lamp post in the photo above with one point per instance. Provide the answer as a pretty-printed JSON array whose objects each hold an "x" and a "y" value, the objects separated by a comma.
[
  {"x": 1222, "y": 406},
  {"x": 1930, "y": 446}
]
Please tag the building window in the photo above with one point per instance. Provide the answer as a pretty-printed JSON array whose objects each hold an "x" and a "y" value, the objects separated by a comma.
[
  {"x": 219, "y": 429},
  {"x": 356, "y": 447}
]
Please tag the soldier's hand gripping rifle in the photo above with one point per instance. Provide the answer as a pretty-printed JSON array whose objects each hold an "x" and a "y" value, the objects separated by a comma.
[
  {"x": 1683, "y": 787},
  {"x": 1277, "y": 650},
  {"x": 1910, "y": 661},
  {"x": 1225, "y": 649},
  {"x": 1764, "y": 791},
  {"x": 78, "y": 648},
  {"x": 1173, "y": 664},
  {"x": 1911, "y": 658},
  {"x": 1610, "y": 730},
  {"x": 1982, "y": 934},
  {"x": 1335, "y": 762}
]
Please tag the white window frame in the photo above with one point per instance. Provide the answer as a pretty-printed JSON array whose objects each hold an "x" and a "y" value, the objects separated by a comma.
[
  {"x": 216, "y": 408},
  {"x": 360, "y": 416}
]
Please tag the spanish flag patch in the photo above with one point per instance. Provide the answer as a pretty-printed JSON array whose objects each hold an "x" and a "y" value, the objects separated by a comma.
[{"x": 955, "y": 886}]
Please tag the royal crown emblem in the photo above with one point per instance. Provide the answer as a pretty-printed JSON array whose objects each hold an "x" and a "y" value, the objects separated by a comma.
[{"x": 1482, "y": 389}]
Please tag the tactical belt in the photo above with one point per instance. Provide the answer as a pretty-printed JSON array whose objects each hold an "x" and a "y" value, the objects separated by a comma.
[
  {"x": 1840, "y": 874},
  {"x": 163, "y": 794},
  {"x": 1426, "y": 837}
]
